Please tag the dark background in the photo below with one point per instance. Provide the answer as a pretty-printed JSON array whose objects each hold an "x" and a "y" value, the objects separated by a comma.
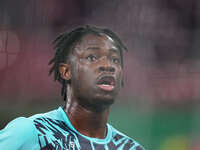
[{"x": 160, "y": 103}]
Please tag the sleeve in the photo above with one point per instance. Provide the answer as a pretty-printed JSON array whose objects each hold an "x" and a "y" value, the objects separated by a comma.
[{"x": 19, "y": 134}]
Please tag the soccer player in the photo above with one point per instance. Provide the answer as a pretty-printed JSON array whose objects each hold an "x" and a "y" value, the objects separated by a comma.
[{"x": 88, "y": 63}]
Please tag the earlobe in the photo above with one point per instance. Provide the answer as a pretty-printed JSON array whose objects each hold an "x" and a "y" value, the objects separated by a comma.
[{"x": 65, "y": 71}]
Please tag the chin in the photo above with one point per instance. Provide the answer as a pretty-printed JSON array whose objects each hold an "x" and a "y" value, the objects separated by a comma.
[
  {"x": 98, "y": 103},
  {"x": 105, "y": 99}
]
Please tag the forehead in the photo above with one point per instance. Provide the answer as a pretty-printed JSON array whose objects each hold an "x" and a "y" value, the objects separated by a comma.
[{"x": 101, "y": 41}]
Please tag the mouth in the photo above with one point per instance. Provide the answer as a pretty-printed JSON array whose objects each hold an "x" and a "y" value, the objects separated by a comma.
[{"x": 106, "y": 83}]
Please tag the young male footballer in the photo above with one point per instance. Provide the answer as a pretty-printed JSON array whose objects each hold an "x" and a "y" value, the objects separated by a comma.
[{"x": 88, "y": 63}]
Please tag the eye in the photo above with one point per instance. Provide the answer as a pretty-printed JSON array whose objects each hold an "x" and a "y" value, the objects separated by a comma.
[
  {"x": 116, "y": 60},
  {"x": 91, "y": 58}
]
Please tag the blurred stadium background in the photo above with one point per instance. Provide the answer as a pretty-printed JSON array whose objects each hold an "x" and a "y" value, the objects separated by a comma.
[{"x": 160, "y": 103}]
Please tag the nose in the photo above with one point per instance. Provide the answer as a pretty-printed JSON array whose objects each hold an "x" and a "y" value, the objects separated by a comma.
[
  {"x": 106, "y": 66},
  {"x": 107, "y": 69}
]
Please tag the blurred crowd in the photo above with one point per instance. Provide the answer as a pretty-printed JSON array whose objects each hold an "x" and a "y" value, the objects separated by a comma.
[{"x": 162, "y": 38}]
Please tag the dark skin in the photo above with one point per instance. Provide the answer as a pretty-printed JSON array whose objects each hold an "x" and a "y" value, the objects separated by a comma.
[{"x": 92, "y": 60}]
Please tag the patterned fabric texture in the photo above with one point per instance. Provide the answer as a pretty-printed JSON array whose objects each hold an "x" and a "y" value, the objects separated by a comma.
[{"x": 54, "y": 131}]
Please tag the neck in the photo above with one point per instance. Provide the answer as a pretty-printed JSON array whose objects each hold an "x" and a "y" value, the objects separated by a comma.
[{"x": 86, "y": 121}]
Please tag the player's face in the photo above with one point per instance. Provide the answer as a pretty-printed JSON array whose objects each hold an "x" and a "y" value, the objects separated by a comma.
[{"x": 96, "y": 71}]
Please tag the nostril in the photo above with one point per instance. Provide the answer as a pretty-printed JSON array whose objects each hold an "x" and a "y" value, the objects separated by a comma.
[
  {"x": 109, "y": 69},
  {"x": 112, "y": 69},
  {"x": 101, "y": 68}
]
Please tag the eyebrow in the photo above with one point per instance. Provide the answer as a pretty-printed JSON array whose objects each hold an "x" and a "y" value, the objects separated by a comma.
[
  {"x": 114, "y": 50},
  {"x": 98, "y": 48},
  {"x": 93, "y": 48}
]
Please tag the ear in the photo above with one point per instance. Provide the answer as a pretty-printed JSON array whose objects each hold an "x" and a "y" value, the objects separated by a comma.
[{"x": 65, "y": 71}]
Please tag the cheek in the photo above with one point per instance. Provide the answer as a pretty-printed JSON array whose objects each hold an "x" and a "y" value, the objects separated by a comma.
[
  {"x": 82, "y": 77},
  {"x": 119, "y": 73},
  {"x": 120, "y": 78}
]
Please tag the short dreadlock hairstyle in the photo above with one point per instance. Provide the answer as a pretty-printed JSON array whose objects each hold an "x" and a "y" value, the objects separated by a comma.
[{"x": 64, "y": 43}]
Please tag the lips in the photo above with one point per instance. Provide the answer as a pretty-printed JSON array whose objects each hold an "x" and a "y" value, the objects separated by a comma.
[{"x": 106, "y": 83}]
